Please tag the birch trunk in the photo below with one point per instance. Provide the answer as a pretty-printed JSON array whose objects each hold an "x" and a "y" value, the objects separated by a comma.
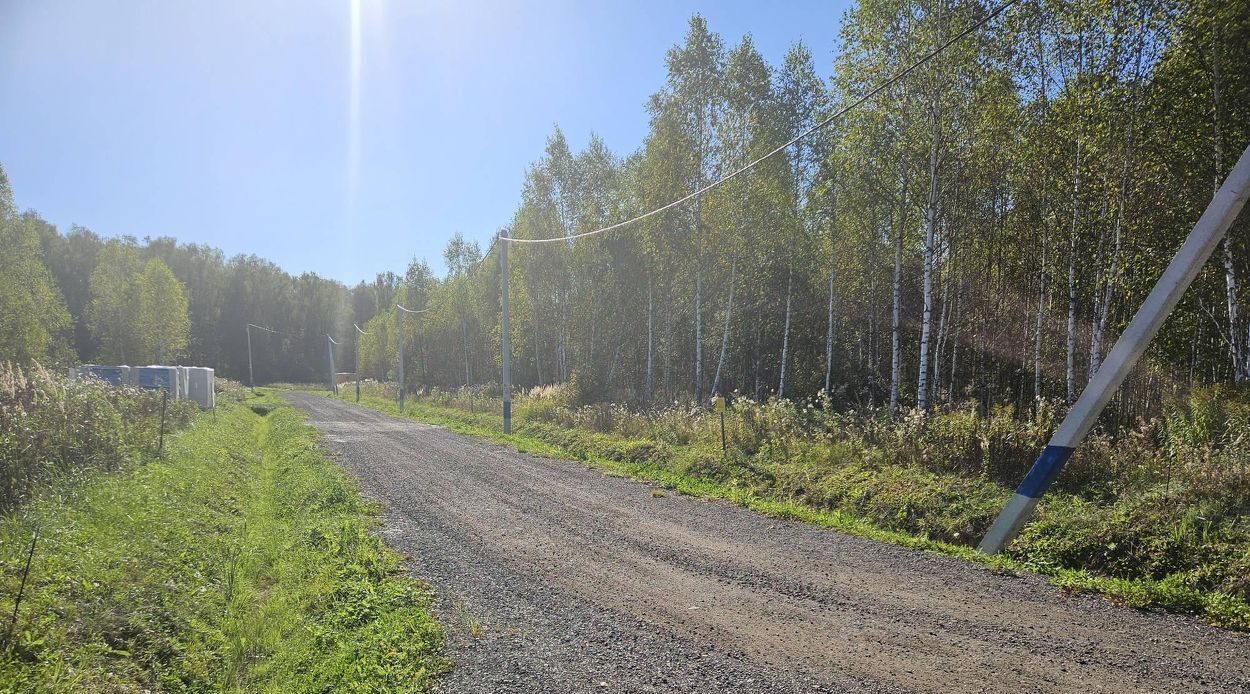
[
  {"x": 798, "y": 211},
  {"x": 464, "y": 336},
  {"x": 1241, "y": 360},
  {"x": 785, "y": 340},
  {"x": 930, "y": 221},
  {"x": 1041, "y": 313},
  {"x": 829, "y": 336},
  {"x": 1072, "y": 238},
  {"x": 538, "y": 357},
  {"x": 1102, "y": 309},
  {"x": 698, "y": 334},
  {"x": 650, "y": 342},
  {"x": 724, "y": 338},
  {"x": 895, "y": 353},
  {"x": 943, "y": 320},
  {"x": 668, "y": 347}
]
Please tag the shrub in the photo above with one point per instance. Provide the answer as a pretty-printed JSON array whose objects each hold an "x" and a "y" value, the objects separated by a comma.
[{"x": 54, "y": 427}]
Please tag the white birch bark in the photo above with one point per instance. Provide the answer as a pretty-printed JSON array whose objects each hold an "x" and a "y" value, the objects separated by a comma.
[
  {"x": 724, "y": 338},
  {"x": 930, "y": 221},
  {"x": 895, "y": 347}
]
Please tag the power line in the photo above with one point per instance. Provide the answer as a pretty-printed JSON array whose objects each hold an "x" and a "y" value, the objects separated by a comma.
[
  {"x": 841, "y": 112},
  {"x": 408, "y": 310}
]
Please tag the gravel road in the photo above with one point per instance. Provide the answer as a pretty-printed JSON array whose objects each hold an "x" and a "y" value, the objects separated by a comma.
[{"x": 553, "y": 577}]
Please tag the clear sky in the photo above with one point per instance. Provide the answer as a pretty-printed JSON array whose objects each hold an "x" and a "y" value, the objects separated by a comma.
[{"x": 261, "y": 126}]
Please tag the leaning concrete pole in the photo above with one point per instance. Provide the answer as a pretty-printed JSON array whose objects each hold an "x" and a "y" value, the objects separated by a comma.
[
  {"x": 505, "y": 346},
  {"x": 1180, "y": 273},
  {"x": 334, "y": 387}
]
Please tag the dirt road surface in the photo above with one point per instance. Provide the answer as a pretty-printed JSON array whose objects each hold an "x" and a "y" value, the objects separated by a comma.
[{"x": 553, "y": 577}]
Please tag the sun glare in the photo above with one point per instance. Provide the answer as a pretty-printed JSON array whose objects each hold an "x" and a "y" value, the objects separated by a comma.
[{"x": 353, "y": 116}]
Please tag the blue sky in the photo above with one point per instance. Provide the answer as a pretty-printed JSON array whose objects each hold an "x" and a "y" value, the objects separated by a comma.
[{"x": 231, "y": 122}]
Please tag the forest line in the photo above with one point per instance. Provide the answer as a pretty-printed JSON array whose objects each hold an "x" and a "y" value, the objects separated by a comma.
[{"x": 981, "y": 232}]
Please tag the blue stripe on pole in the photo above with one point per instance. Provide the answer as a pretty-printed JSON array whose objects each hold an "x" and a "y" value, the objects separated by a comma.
[{"x": 1044, "y": 471}]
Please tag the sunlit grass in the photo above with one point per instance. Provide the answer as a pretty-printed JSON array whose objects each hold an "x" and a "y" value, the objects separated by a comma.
[{"x": 242, "y": 561}]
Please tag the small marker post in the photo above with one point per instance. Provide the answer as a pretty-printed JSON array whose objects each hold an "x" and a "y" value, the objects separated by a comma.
[
  {"x": 160, "y": 445},
  {"x": 718, "y": 403}
]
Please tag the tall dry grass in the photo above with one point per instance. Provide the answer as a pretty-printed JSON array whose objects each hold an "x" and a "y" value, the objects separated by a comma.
[{"x": 53, "y": 427}]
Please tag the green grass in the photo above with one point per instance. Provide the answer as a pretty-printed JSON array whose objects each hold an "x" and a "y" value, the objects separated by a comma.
[
  {"x": 855, "y": 492},
  {"x": 242, "y": 560}
]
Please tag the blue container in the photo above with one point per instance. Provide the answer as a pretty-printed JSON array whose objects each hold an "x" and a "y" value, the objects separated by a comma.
[
  {"x": 158, "y": 378},
  {"x": 116, "y": 375}
]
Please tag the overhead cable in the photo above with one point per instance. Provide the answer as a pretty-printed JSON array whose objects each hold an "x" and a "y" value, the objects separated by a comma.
[{"x": 408, "y": 310}]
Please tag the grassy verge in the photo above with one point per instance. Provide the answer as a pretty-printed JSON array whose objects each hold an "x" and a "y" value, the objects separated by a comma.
[
  {"x": 242, "y": 560},
  {"x": 889, "y": 503}
]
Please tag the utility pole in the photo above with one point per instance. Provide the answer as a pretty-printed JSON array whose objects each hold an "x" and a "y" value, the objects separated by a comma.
[
  {"x": 399, "y": 327},
  {"x": 399, "y": 355},
  {"x": 1180, "y": 273},
  {"x": 251, "y": 381},
  {"x": 505, "y": 346},
  {"x": 334, "y": 387},
  {"x": 359, "y": 332}
]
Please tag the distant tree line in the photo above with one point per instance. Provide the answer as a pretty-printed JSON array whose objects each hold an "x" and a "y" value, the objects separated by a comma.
[
  {"x": 76, "y": 296},
  {"x": 981, "y": 231}
]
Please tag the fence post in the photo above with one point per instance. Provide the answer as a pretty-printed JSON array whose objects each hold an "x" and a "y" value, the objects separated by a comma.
[{"x": 160, "y": 446}]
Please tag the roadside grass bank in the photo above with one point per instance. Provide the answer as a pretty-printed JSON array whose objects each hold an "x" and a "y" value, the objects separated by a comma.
[
  {"x": 241, "y": 560},
  {"x": 1173, "y": 543}
]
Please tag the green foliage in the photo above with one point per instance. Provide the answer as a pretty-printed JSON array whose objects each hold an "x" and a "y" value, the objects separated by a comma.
[
  {"x": 162, "y": 321},
  {"x": 113, "y": 310},
  {"x": 243, "y": 561},
  {"x": 32, "y": 312},
  {"x": 138, "y": 310}
]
